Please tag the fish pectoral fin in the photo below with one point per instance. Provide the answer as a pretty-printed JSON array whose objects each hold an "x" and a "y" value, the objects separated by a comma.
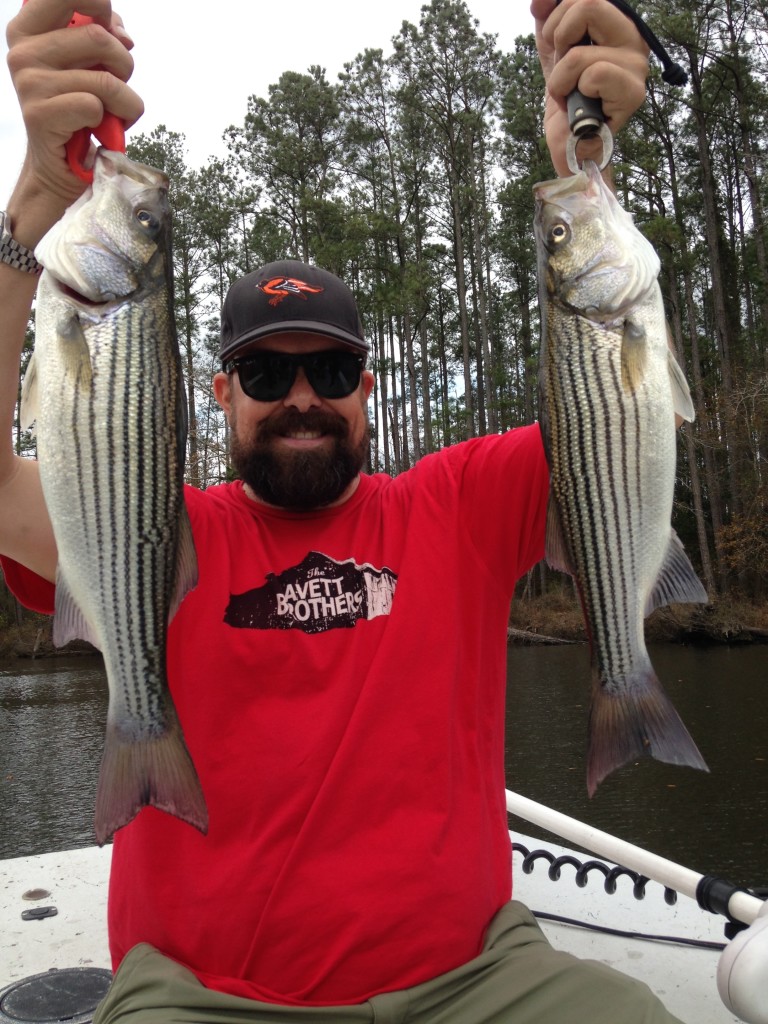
[
  {"x": 69, "y": 623},
  {"x": 186, "y": 564},
  {"x": 75, "y": 353},
  {"x": 555, "y": 548},
  {"x": 634, "y": 355},
  {"x": 77, "y": 363},
  {"x": 29, "y": 409},
  {"x": 677, "y": 582},
  {"x": 141, "y": 771},
  {"x": 636, "y": 719},
  {"x": 681, "y": 393}
]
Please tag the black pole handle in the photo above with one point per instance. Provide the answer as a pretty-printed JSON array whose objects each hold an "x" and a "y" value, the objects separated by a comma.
[{"x": 585, "y": 115}]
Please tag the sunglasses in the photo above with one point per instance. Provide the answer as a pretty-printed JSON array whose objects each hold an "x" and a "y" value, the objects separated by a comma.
[{"x": 268, "y": 376}]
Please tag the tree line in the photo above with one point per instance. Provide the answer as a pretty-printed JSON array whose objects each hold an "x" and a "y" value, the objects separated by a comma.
[{"x": 411, "y": 178}]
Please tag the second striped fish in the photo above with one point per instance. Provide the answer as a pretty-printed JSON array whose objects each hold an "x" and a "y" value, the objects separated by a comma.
[{"x": 609, "y": 391}]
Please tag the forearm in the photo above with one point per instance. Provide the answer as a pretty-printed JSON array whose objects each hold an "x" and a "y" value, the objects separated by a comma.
[
  {"x": 16, "y": 293},
  {"x": 614, "y": 70},
  {"x": 31, "y": 212},
  {"x": 25, "y": 532},
  {"x": 59, "y": 94}
]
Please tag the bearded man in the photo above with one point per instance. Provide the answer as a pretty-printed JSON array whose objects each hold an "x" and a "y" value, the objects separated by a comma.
[{"x": 339, "y": 670}]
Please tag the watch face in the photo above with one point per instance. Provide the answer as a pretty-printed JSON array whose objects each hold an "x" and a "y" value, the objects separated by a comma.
[{"x": 5, "y": 231}]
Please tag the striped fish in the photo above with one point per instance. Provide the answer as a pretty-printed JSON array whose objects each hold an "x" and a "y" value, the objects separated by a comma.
[
  {"x": 610, "y": 389},
  {"x": 105, "y": 391}
]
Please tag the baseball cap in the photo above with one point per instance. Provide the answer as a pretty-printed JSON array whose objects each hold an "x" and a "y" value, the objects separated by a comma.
[{"x": 284, "y": 296}]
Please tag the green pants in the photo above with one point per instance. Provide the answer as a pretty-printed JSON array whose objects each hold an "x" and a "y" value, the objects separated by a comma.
[{"x": 517, "y": 979}]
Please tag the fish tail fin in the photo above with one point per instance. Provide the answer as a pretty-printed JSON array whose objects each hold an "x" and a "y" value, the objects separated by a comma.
[
  {"x": 640, "y": 720},
  {"x": 154, "y": 770}
]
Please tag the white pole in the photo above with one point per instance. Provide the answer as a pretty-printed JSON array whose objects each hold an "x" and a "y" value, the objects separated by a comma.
[{"x": 741, "y": 905}]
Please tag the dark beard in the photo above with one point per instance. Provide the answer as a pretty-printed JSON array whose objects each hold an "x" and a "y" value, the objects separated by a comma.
[{"x": 302, "y": 480}]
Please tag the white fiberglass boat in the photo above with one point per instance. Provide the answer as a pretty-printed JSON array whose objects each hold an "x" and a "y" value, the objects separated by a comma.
[{"x": 643, "y": 918}]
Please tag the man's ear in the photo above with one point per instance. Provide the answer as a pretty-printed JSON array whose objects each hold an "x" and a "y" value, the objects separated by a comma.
[{"x": 222, "y": 391}]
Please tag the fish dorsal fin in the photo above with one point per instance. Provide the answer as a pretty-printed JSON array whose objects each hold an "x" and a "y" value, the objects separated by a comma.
[
  {"x": 634, "y": 355},
  {"x": 677, "y": 582},
  {"x": 681, "y": 394},
  {"x": 186, "y": 563},
  {"x": 29, "y": 409},
  {"x": 556, "y": 550},
  {"x": 69, "y": 623}
]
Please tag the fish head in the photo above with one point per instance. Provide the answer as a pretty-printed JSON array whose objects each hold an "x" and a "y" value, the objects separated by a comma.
[
  {"x": 102, "y": 249},
  {"x": 592, "y": 258}
]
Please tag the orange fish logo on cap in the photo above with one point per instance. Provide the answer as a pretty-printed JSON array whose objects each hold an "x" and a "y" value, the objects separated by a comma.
[{"x": 279, "y": 288}]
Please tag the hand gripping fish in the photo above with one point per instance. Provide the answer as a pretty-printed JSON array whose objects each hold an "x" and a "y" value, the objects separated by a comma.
[
  {"x": 105, "y": 390},
  {"x": 609, "y": 391}
]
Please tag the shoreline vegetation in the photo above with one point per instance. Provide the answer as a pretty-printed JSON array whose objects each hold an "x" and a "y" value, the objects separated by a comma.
[{"x": 555, "y": 618}]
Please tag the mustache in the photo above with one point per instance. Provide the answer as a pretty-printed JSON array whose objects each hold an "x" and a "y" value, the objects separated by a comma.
[{"x": 291, "y": 421}]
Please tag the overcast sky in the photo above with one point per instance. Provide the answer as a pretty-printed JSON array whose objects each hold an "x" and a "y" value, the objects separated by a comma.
[{"x": 196, "y": 64}]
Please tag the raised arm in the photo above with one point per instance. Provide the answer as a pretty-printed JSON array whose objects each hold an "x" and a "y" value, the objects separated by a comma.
[
  {"x": 614, "y": 68},
  {"x": 58, "y": 94}
]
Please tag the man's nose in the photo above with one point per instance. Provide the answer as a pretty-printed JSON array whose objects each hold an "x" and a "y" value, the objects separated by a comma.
[{"x": 302, "y": 395}]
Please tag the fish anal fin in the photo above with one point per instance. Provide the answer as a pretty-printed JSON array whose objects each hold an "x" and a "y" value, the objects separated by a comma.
[
  {"x": 556, "y": 550},
  {"x": 627, "y": 723},
  {"x": 634, "y": 355},
  {"x": 141, "y": 771},
  {"x": 186, "y": 563},
  {"x": 69, "y": 622},
  {"x": 677, "y": 582}
]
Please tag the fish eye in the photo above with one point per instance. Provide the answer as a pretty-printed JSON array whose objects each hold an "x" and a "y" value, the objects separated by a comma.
[
  {"x": 559, "y": 233},
  {"x": 147, "y": 220}
]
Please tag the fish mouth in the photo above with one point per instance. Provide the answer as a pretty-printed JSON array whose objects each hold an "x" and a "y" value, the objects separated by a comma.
[
  {"x": 86, "y": 302},
  {"x": 81, "y": 300}
]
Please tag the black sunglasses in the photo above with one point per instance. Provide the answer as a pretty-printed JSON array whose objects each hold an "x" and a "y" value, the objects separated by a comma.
[{"x": 268, "y": 376}]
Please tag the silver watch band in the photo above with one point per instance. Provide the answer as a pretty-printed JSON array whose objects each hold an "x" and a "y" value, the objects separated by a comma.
[{"x": 14, "y": 253}]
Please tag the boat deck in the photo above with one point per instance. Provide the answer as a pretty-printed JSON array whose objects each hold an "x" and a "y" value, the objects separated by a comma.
[{"x": 683, "y": 976}]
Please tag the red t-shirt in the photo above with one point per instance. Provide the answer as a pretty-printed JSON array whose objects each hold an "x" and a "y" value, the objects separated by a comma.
[{"x": 340, "y": 679}]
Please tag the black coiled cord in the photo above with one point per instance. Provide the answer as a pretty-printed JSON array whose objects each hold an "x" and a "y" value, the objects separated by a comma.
[{"x": 610, "y": 874}]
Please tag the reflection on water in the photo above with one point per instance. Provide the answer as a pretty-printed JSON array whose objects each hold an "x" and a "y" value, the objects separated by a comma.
[
  {"x": 711, "y": 822},
  {"x": 52, "y": 716}
]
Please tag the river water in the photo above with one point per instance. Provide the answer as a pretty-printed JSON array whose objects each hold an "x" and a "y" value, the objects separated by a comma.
[
  {"x": 715, "y": 822},
  {"x": 52, "y": 725}
]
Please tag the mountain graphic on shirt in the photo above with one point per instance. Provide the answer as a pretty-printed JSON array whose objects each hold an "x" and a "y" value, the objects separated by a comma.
[{"x": 314, "y": 596}]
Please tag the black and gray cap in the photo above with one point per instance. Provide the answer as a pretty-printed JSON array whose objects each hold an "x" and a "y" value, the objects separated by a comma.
[{"x": 289, "y": 296}]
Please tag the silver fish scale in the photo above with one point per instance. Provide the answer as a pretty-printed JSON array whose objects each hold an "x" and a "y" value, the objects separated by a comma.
[
  {"x": 604, "y": 520},
  {"x": 132, "y": 504}
]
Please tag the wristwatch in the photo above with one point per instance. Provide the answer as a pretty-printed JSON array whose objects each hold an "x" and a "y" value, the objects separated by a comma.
[{"x": 14, "y": 253}]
